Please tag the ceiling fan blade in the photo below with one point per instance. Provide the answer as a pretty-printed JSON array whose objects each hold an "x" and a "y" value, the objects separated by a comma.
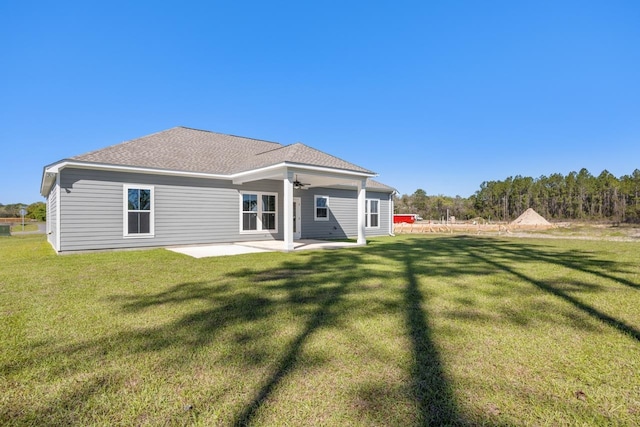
[{"x": 299, "y": 184}]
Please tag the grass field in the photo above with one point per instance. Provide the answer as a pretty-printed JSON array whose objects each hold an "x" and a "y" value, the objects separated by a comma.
[
  {"x": 27, "y": 227},
  {"x": 412, "y": 330}
]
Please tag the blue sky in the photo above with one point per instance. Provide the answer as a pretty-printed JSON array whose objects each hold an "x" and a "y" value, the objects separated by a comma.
[{"x": 438, "y": 95}]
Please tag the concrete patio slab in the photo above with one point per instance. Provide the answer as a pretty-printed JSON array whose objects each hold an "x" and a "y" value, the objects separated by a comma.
[
  {"x": 216, "y": 250},
  {"x": 227, "y": 249}
]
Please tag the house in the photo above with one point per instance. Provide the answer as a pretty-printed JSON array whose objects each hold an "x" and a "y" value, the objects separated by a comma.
[{"x": 185, "y": 186}]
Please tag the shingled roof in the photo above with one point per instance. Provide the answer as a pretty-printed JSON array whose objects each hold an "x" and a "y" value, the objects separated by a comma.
[{"x": 193, "y": 150}]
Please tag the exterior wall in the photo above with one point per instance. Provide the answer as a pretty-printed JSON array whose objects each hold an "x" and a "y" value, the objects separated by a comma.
[
  {"x": 186, "y": 210},
  {"x": 343, "y": 221},
  {"x": 52, "y": 216},
  {"x": 386, "y": 214}
]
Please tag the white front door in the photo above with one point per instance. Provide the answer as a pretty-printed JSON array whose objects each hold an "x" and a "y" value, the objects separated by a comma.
[{"x": 297, "y": 224}]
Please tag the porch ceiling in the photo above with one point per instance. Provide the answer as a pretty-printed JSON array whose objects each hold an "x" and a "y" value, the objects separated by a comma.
[
  {"x": 310, "y": 177},
  {"x": 311, "y": 180}
]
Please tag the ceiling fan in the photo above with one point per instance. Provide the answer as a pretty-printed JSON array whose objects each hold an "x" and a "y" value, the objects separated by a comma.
[{"x": 299, "y": 185}]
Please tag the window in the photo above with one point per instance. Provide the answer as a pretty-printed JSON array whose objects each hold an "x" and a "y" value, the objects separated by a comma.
[
  {"x": 321, "y": 211},
  {"x": 249, "y": 212},
  {"x": 138, "y": 220},
  {"x": 259, "y": 212},
  {"x": 268, "y": 212},
  {"x": 372, "y": 213}
]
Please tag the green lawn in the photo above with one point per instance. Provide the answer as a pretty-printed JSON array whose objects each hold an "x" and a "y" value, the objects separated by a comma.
[
  {"x": 411, "y": 330},
  {"x": 27, "y": 227}
]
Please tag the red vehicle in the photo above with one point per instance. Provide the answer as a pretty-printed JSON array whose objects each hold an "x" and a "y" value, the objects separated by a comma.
[{"x": 407, "y": 218}]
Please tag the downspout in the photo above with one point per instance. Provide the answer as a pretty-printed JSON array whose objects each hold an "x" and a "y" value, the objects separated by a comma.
[
  {"x": 362, "y": 197},
  {"x": 391, "y": 214}
]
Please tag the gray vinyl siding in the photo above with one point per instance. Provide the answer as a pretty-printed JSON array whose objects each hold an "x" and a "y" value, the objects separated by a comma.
[
  {"x": 186, "y": 210},
  {"x": 343, "y": 220},
  {"x": 52, "y": 216},
  {"x": 383, "y": 214}
]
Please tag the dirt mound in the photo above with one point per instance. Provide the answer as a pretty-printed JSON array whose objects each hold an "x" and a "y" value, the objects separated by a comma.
[{"x": 530, "y": 217}]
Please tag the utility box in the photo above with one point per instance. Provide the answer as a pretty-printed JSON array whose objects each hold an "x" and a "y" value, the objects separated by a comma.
[{"x": 5, "y": 230}]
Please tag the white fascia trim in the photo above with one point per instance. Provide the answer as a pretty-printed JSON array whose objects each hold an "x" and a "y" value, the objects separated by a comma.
[
  {"x": 371, "y": 189},
  {"x": 54, "y": 169},
  {"x": 279, "y": 171},
  {"x": 273, "y": 170},
  {"x": 325, "y": 169},
  {"x": 48, "y": 179},
  {"x": 103, "y": 166}
]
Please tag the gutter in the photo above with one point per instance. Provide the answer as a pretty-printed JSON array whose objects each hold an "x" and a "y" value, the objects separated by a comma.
[{"x": 51, "y": 171}]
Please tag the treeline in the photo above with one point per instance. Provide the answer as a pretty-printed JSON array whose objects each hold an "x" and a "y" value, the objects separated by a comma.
[
  {"x": 575, "y": 196},
  {"x": 434, "y": 207},
  {"x": 37, "y": 210}
]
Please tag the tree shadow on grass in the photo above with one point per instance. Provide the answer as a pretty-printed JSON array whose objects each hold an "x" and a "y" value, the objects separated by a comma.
[
  {"x": 289, "y": 360},
  {"x": 446, "y": 258},
  {"x": 583, "y": 261},
  {"x": 314, "y": 286},
  {"x": 431, "y": 389},
  {"x": 320, "y": 289},
  {"x": 63, "y": 406},
  {"x": 309, "y": 286},
  {"x": 483, "y": 253}
]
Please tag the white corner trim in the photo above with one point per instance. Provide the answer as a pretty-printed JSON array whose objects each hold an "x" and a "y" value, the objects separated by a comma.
[{"x": 58, "y": 207}]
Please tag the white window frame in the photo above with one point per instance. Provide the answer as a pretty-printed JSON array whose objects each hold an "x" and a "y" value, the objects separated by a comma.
[
  {"x": 315, "y": 208},
  {"x": 259, "y": 212},
  {"x": 125, "y": 211},
  {"x": 368, "y": 213}
]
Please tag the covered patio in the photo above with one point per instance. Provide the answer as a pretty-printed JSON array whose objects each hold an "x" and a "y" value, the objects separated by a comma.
[{"x": 296, "y": 176}]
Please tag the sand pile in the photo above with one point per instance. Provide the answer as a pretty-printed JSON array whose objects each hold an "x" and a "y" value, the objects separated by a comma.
[{"x": 530, "y": 217}]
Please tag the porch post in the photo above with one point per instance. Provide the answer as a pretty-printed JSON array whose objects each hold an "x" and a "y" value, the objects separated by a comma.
[
  {"x": 288, "y": 211},
  {"x": 362, "y": 194}
]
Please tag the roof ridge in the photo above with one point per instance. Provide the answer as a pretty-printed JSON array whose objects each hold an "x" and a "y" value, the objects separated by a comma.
[
  {"x": 121, "y": 143},
  {"x": 297, "y": 148},
  {"x": 330, "y": 155},
  {"x": 201, "y": 150},
  {"x": 225, "y": 134},
  {"x": 170, "y": 129},
  {"x": 282, "y": 147}
]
